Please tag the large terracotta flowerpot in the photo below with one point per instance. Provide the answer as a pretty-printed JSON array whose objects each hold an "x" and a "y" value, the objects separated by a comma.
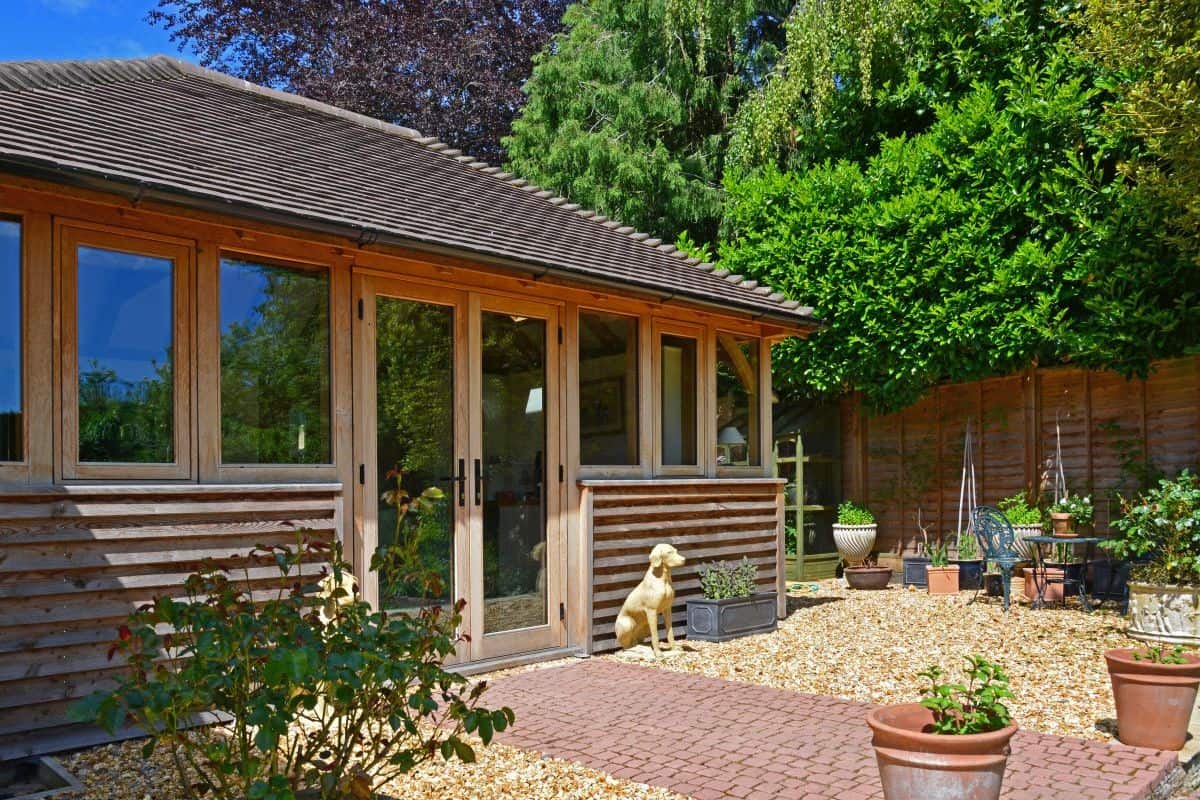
[
  {"x": 1154, "y": 701},
  {"x": 914, "y": 765},
  {"x": 854, "y": 542},
  {"x": 1053, "y": 592},
  {"x": 1062, "y": 525},
  {"x": 867, "y": 577},
  {"x": 1164, "y": 613},
  {"x": 943, "y": 580}
]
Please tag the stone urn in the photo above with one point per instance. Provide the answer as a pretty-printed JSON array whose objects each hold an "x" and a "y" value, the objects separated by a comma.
[
  {"x": 1020, "y": 533},
  {"x": 854, "y": 542},
  {"x": 914, "y": 765},
  {"x": 1164, "y": 613},
  {"x": 1154, "y": 701}
]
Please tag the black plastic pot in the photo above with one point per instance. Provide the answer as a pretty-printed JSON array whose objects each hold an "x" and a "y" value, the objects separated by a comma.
[
  {"x": 1109, "y": 580},
  {"x": 914, "y": 571},
  {"x": 970, "y": 573},
  {"x": 993, "y": 584}
]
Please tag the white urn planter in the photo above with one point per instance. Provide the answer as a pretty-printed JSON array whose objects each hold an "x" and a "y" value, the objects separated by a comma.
[
  {"x": 1164, "y": 613},
  {"x": 854, "y": 542},
  {"x": 1019, "y": 534}
]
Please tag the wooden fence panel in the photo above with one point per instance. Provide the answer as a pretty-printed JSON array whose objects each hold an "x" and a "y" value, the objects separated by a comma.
[
  {"x": 706, "y": 520},
  {"x": 75, "y": 561}
]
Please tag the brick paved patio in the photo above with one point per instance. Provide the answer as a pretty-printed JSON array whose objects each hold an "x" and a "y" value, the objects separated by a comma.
[{"x": 714, "y": 739}]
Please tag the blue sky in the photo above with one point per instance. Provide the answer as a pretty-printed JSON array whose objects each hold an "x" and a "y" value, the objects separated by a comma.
[{"x": 56, "y": 29}]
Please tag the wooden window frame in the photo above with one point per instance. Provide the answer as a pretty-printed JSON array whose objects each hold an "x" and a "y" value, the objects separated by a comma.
[
  {"x": 37, "y": 343},
  {"x": 765, "y": 439},
  {"x": 208, "y": 361},
  {"x": 704, "y": 373},
  {"x": 70, "y": 236},
  {"x": 644, "y": 396}
]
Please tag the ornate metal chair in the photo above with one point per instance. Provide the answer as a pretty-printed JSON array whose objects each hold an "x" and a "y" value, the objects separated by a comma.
[{"x": 999, "y": 545}]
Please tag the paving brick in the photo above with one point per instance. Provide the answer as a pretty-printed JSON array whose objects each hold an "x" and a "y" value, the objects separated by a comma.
[{"x": 720, "y": 740}]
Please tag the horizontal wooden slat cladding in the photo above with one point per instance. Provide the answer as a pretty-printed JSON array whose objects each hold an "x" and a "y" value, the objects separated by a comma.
[
  {"x": 1111, "y": 428},
  {"x": 705, "y": 519},
  {"x": 76, "y": 560}
]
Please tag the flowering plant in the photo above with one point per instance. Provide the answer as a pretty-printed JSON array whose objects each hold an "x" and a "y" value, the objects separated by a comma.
[{"x": 1163, "y": 524}]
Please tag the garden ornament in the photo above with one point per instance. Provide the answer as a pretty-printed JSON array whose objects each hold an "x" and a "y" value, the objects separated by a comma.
[
  {"x": 653, "y": 596},
  {"x": 326, "y": 589}
]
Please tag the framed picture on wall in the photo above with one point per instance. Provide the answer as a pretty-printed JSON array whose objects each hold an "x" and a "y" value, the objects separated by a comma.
[{"x": 603, "y": 410}]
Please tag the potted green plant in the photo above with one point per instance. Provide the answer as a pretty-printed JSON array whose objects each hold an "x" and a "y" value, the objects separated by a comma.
[
  {"x": 854, "y": 533},
  {"x": 1162, "y": 527},
  {"x": 1070, "y": 515},
  {"x": 1026, "y": 520},
  {"x": 1154, "y": 690},
  {"x": 941, "y": 575},
  {"x": 954, "y": 743},
  {"x": 732, "y": 606},
  {"x": 968, "y": 561}
]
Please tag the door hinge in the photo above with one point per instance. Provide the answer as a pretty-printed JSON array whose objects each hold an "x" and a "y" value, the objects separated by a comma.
[
  {"x": 362, "y": 474},
  {"x": 562, "y": 473},
  {"x": 562, "y": 612},
  {"x": 360, "y": 308},
  {"x": 560, "y": 334}
]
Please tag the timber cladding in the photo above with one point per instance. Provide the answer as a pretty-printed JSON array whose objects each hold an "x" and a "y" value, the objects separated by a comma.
[
  {"x": 705, "y": 520},
  {"x": 75, "y": 561},
  {"x": 1114, "y": 432}
]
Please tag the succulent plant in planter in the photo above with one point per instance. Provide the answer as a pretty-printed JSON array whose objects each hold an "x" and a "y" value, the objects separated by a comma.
[
  {"x": 954, "y": 743},
  {"x": 854, "y": 533},
  {"x": 942, "y": 575},
  {"x": 1162, "y": 527},
  {"x": 731, "y": 607}
]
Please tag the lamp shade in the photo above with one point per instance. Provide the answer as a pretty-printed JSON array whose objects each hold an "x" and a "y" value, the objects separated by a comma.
[{"x": 730, "y": 435}]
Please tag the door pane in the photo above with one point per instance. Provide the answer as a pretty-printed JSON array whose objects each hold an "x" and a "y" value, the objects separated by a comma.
[
  {"x": 737, "y": 400},
  {"x": 414, "y": 363},
  {"x": 678, "y": 377},
  {"x": 608, "y": 389},
  {"x": 514, "y": 446},
  {"x": 126, "y": 341},
  {"x": 11, "y": 427},
  {"x": 274, "y": 364}
]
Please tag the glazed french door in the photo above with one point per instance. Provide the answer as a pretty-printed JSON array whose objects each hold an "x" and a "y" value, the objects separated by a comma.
[{"x": 458, "y": 405}]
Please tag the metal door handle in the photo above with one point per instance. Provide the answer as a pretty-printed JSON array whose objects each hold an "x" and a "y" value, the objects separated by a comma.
[
  {"x": 460, "y": 479},
  {"x": 478, "y": 482}
]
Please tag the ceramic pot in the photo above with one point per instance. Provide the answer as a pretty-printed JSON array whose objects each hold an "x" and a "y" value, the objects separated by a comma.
[
  {"x": 1020, "y": 533},
  {"x": 914, "y": 765},
  {"x": 1054, "y": 585},
  {"x": 1154, "y": 701},
  {"x": 1164, "y": 613},
  {"x": 942, "y": 580},
  {"x": 1062, "y": 525},
  {"x": 867, "y": 577},
  {"x": 854, "y": 542}
]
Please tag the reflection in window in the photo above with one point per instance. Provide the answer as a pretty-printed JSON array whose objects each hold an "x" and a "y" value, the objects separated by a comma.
[
  {"x": 737, "y": 401},
  {"x": 678, "y": 366},
  {"x": 11, "y": 428},
  {"x": 608, "y": 389},
  {"x": 125, "y": 343},
  {"x": 274, "y": 365}
]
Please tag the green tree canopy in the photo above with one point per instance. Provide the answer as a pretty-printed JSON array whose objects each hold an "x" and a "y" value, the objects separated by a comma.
[
  {"x": 629, "y": 107},
  {"x": 989, "y": 231}
]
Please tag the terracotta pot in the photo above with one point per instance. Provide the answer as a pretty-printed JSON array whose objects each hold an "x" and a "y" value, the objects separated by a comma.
[
  {"x": 854, "y": 542},
  {"x": 1062, "y": 525},
  {"x": 1054, "y": 585},
  {"x": 942, "y": 580},
  {"x": 867, "y": 577},
  {"x": 914, "y": 765},
  {"x": 1154, "y": 701}
]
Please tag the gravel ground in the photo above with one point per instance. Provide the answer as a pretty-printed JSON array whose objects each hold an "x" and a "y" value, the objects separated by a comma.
[
  {"x": 869, "y": 645},
  {"x": 118, "y": 772}
]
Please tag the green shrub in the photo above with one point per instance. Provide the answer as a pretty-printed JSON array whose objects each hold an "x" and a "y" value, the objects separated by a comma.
[
  {"x": 326, "y": 694},
  {"x": 1164, "y": 525},
  {"x": 721, "y": 580},
  {"x": 851, "y": 514},
  {"x": 974, "y": 707},
  {"x": 1019, "y": 512}
]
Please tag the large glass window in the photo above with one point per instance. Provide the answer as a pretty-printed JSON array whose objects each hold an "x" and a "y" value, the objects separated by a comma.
[
  {"x": 678, "y": 381},
  {"x": 737, "y": 401},
  {"x": 274, "y": 364},
  {"x": 125, "y": 340},
  {"x": 608, "y": 389},
  {"x": 11, "y": 422}
]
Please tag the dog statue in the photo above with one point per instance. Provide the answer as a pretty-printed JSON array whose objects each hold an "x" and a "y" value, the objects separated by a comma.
[{"x": 653, "y": 596}]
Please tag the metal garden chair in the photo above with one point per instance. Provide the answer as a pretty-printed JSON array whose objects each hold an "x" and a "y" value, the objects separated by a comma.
[{"x": 999, "y": 545}]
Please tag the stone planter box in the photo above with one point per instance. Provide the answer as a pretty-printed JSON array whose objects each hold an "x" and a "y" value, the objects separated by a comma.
[
  {"x": 732, "y": 618},
  {"x": 1164, "y": 613}
]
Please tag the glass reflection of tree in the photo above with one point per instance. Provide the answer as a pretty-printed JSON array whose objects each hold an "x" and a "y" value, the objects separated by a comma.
[{"x": 123, "y": 421}]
